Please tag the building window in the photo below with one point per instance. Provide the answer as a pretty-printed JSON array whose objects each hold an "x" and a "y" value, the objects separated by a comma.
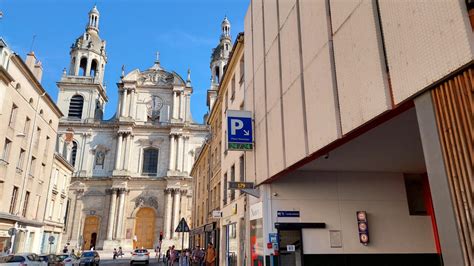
[
  {"x": 66, "y": 213},
  {"x": 32, "y": 166},
  {"x": 224, "y": 198},
  {"x": 51, "y": 209},
  {"x": 416, "y": 189},
  {"x": 11, "y": 121},
  {"x": 75, "y": 107},
  {"x": 232, "y": 179},
  {"x": 232, "y": 84},
  {"x": 6, "y": 150},
  {"x": 43, "y": 171},
  {"x": 55, "y": 179},
  {"x": 73, "y": 153},
  {"x": 25, "y": 204},
  {"x": 13, "y": 200},
  {"x": 26, "y": 129},
  {"x": 82, "y": 66},
  {"x": 19, "y": 165},
  {"x": 60, "y": 211},
  {"x": 241, "y": 169},
  {"x": 38, "y": 200},
  {"x": 37, "y": 137},
  {"x": 150, "y": 161},
  {"x": 46, "y": 148},
  {"x": 242, "y": 71},
  {"x": 93, "y": 72}
]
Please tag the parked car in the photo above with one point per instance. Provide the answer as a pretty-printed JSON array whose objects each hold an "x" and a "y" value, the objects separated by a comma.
[
  {"x": 140, "y": 255},
  {"x": 68, "y": 259},
  {"x": 51, "y": 259},
  {"x": 90, "y": 258},
  {"x": 23, "y": 259}
]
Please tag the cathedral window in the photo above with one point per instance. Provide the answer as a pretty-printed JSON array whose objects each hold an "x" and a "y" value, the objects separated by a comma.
[
  {"x": 83, "y": 66},
  {"x": 73, "y": 153},
  {"x": 75, "y": 107},
  {"x": 93, "y": 68},
  {"x": 150, "y": 162}
]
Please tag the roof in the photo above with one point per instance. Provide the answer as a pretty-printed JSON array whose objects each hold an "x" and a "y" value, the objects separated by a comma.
[{"x": 154, "y": 76}]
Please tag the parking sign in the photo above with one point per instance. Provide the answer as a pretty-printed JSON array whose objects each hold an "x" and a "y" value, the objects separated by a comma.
[{"x": 239, "y": 130}]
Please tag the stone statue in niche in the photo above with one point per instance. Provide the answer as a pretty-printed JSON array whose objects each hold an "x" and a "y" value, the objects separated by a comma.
[{"x": 99, "y": 158}]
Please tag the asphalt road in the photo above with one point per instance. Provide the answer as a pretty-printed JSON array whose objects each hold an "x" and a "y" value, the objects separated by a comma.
[{"x": 124, "y": 261}]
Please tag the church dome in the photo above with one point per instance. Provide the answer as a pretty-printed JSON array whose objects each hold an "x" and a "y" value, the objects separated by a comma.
[
  {"x": 90, "y": 41},
  {"x": 94, "y": 10}
]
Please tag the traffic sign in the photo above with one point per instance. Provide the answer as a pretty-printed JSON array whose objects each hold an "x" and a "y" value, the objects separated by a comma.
[
  {"x": 51, "y": 239},
  {"x": 182, "y": 226},
  {"x": 12, "y": 231},
  {"x": 241, "y": 185},
  {"x": 288, "y": 213},
  {"x": 239, "y": 130}
]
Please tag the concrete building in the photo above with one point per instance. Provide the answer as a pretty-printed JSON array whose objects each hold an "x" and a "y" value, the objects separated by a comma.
[
  {"x": 233, "y": 223},
  {"x": 362, "y": 114},
  {"x": 57, "y": 204},
  {"x": 131, "y": 185},
  {"x": 28, "y": 123}
]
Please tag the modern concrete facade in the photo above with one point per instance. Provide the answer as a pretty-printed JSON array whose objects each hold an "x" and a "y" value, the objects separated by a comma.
[
  {"x": 28, "y": 123},
  {"x": 342, "y": 125},
  {"x": 131, "y": 185}
]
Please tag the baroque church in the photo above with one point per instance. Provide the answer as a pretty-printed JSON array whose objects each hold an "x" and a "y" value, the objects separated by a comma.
[{"x": 131, "y": 184}]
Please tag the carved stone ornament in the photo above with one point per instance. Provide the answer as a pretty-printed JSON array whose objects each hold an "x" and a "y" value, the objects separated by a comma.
[
  {"x": 157, "y": 77},
  {"x": 146, "y": 201}
]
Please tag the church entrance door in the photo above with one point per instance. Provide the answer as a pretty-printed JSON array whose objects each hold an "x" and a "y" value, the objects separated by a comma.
[
  {"x": 145, "y": 228},
  {"x": 91, "y": 230}
]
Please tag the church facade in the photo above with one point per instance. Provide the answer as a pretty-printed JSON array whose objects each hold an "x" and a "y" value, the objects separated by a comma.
[{"x": 131, "y": 184}]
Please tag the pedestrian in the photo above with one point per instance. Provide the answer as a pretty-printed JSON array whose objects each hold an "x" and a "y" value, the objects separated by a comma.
[
  {"x": 210, "y": 257},
  {"x": 65, "y": 250},
  {"x": 72, "y": 252},
  {"x": 120, "y": 252},
  {"x": 115, "y": 254},
  {"x": 173, "y": 255},
  {"x": 196, "y": 256},
  {"x": 168, "y": 252},
  {"x": 157, "y": 252}
]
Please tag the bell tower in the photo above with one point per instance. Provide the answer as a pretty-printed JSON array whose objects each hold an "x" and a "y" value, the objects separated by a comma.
[{"x": 82, "y": 94}]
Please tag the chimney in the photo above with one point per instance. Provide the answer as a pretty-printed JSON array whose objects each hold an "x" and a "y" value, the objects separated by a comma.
[
  {"x": 38, "y": 72},
  {"x": 34, "y": 65}
]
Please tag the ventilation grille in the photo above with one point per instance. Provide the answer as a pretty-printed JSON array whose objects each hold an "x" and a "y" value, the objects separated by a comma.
[{"x": 75, "y": 107}]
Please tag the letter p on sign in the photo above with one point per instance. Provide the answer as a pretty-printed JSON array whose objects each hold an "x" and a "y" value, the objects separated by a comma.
[{"x": 235, "y": 124}]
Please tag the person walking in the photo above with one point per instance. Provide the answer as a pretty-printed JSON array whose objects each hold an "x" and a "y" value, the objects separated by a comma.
[
  {"x": 167, "y": 256},
  {"x": 196, "y": 256},
  {"x": 120, "y": 252},
  {"x": 65, "y": 250},
  {"x": 173, "y": 256},
  {"x": 115, "y": 254},
  {"x": 210, "y": 257}
]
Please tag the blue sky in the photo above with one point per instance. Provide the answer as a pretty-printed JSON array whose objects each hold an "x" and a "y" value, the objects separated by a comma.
[{"x": 183, "y": 31}]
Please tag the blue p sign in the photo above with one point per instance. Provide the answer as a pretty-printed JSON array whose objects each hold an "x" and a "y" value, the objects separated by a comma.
[{"x": 239, "y": 130}]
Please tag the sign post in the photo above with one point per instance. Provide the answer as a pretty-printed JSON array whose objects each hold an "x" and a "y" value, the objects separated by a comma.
[
  {"x": 246, "y": 187},
  {"x": 51, "y": 242},
  {"x": 239, "y": 130},
  {"x": 182, "y": 227}
]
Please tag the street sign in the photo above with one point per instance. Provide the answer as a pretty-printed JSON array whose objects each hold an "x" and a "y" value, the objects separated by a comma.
[
  {"x": 182, "y": 226},
  {"x": 290, "y": 248},
  {"x": 363, "y": 226},
  {"x": 239, "y": 130},
  {"x": 288, "y": 213},
  {"x": 241, "y": 185},
  {"x": 216, "y": 214}
]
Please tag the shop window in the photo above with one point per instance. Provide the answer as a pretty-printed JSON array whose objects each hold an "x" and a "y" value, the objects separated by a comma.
[{"x": 415, "y": 189}]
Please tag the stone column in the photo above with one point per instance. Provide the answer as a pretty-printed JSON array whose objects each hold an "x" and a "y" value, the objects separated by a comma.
[
  {"x": 176, "y": 209},
  {"x": 124, "y": 103},
  {"x": 61, "y": 143},
  {"x": 180, "y": 153},
  {"x": 110, "y": 225},
  {"x": 120, "y": 214},
  {"x": 76, "y": 66},
  {"x": 118, "y": 153},
  {"x": 131, "y": 110},
  {"x": 128, "y": 152},
  {"x": 88, "y": 68},
  {"x": 168, "y": 213},
  {"x": 185, "y": 147},
  {"x": 175, "y": 105},
  {"x": 172, "y": 152},
  {"x": 181, "y": 105}
]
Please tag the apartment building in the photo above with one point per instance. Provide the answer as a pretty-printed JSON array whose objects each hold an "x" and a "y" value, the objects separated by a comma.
[
  {"x": 28, "y": 122},
  {"x": 362, "y": 115}
]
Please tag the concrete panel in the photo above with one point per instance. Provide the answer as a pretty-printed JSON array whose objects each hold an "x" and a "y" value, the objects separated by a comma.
[
  {"x": 273, "y": 77},
  {"x": 248, "y": 49},
  {"x": 294, "y": 125},
  {"x": 314, "y": 28},
  {"x": 259, "y": 77},
  {"x": 257, "y": 34},
  {"x": 384, "y": 186},
  {"x": 285, "y": 7},
  {"x": 424, "y": 42},
  {"x": 290, "y": 56},
  {"x": 260, "y": 151},
  {"x": 321, "y": 116},
  {"x": 360, "y": 70},
  {"x": 341, "y": 10},
  {"x": 275, "y": 140},
  {"x": 271, "y": 23}
]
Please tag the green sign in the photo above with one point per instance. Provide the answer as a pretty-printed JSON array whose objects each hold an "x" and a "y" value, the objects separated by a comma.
[{"x": 240, "y": 146}]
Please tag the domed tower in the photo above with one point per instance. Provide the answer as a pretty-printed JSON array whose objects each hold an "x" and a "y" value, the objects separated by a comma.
[
  {"x": 85, "y": 75},
  {"x": 219, "y": 58}
]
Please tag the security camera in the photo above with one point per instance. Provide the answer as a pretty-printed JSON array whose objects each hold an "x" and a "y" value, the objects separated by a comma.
[
  {"x": 275, "y": 194},
  {"x": 326, "y": 156}
]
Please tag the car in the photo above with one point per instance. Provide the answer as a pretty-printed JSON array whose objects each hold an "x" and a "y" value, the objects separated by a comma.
[
  {"x": 140, "y": 255},
  {"x": 51, "y": 259},
  {"x": 68, "y": 259},
  {"x": 90, "y": 258},
  {"x": 22, "y": 259}
]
